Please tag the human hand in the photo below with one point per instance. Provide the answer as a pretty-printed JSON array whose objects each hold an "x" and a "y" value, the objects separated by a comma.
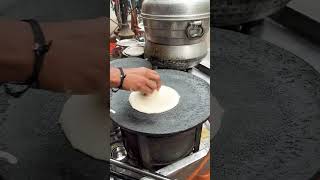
[
  {"x": 145, "y": 72},
  {"x": 141, "y": 79}
]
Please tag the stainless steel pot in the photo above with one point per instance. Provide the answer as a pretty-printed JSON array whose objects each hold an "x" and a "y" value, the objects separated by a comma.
[{"x": 175, "y": 31}]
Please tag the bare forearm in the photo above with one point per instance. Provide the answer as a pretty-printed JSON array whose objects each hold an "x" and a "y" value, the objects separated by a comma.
[
  {"x": 75, "y": 62},
  {"x": 77, "y": 58},
  {"x": 114, "y": 77},
  {"x": 16, "y": 56}
]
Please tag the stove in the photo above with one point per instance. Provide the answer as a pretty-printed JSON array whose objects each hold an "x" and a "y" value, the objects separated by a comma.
[
  {"x": 119, "y": 153},
  {"x": 179, "y": 169}
]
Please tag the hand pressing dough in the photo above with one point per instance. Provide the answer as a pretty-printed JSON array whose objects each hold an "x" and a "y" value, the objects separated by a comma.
[{"x": 157, "y": 102}]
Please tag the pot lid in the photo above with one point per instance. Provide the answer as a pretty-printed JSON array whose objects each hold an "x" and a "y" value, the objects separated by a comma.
[
  {"x": 192, "y": 109},
  {"x": 175, "y": 9}
]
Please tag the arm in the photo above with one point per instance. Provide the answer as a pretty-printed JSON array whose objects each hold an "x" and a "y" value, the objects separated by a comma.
[
  {"x": 75, "y": 62},
  {"x": 114, "y": 77},
  {"x": 15, "y": 51}
]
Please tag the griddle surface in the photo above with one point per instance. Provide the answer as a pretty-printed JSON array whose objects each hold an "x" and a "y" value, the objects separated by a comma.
[
  {"x": 131, "y": 62},
  {"x": 193, "y": 107}
]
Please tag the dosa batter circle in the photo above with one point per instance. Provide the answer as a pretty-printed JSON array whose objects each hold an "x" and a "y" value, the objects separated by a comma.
[{"x": 157, "y": 102}]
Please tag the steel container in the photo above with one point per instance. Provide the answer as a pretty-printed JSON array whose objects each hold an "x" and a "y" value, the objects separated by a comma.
[{"x": 175, "y": 32}]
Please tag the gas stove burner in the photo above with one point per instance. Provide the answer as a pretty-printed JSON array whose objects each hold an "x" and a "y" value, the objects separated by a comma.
[{"x": 118, "y": 152}]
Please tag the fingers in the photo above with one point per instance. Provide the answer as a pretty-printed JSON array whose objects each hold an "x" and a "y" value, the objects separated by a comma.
[
  {"x": 145, "y": 89},
  {"x": 152, "y": 85},
  {"x": 142, "y": 79},
  {"x": 154, "y": 76},
  {"x": 158, "y": 85}
]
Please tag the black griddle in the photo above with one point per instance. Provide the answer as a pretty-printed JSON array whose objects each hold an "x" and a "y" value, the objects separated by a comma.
[
  {"x": 30, "y": 131},
  {"x": 131, "y": 62},
  {"x": 271, "y": 98},
  {"x": 193, "y": 107}
]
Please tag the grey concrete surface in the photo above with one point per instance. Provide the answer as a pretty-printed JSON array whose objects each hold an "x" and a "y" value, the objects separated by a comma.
[
  {"x": 31, "y": 134},
  {"x": 289, "y": 40},
  {"x": 310, "y": 8},
  {"x": 270, "y": 128},
  {"x": 54, "y": 10},
  {"x": 309, "y": 52}
]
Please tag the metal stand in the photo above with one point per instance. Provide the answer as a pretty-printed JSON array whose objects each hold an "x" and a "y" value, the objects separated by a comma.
[{"x": 125, "y": 31}]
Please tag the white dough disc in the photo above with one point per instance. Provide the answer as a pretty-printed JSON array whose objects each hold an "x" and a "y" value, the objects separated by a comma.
[{"x": 157, "y": 102}]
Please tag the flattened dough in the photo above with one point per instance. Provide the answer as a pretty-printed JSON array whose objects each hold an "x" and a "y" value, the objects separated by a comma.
[{"x": 157, "y": 102}]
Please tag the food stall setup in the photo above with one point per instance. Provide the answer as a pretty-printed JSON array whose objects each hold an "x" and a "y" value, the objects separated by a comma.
[
  {"x": 171, "y": 37},
  {"x": 240, "y": 98}
]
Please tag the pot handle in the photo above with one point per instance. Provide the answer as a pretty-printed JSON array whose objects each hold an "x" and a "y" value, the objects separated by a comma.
[{"x": 195, "y": 30}]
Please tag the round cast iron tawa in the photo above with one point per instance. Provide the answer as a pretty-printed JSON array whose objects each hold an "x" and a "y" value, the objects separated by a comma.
[
  {"x": 271, "y": 99},
  {"x": 131, "y": 62},
  {"x": 193, "y": 107}
]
